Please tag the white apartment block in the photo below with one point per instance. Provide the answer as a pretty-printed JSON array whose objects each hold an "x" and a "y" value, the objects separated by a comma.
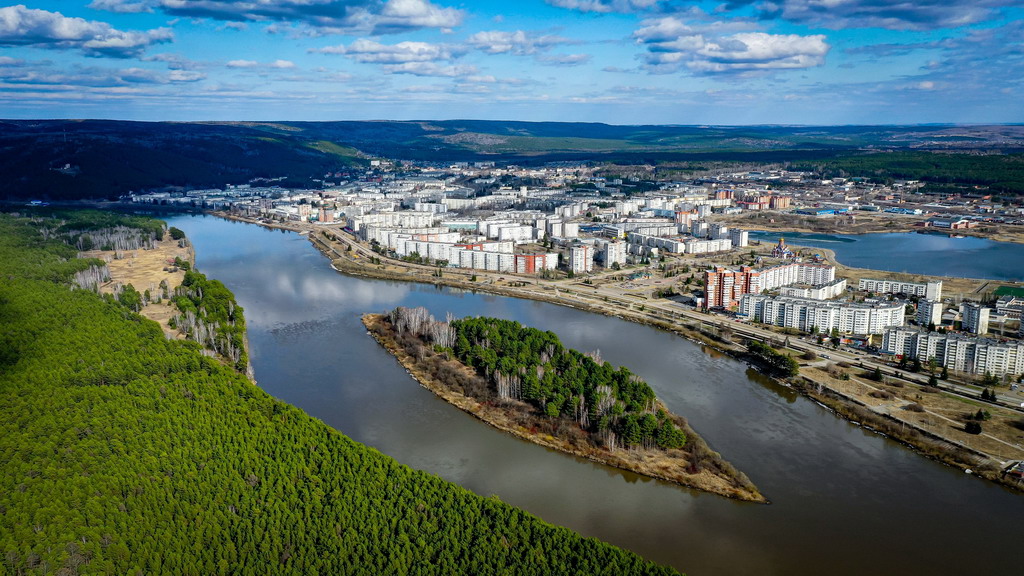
[
  {"x": 959, "y": 352},
  {"x": 694, "y": 246},
  {"x": 833, "y": 289},
  {"x": 740, "y": 238},
  {"x": 929, "y": 312},
  {"x": 974, "y": 317},
  {"x": 581, "y": 259},
  {"x": 405, "y": 219},
  {"x": 929, "y": 290},
  {"x": 389, "y": 236},
  {"x": 672, "y": 245},
  {"x": 612, "y": 253},
  {"x": 792, "y": 273},
  {"x": 804, "y": 314}
]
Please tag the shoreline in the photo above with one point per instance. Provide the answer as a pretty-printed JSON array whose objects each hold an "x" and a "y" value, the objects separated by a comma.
[
  {"x": 682, "y": 325},
  {"x": 638, "y": 462}
]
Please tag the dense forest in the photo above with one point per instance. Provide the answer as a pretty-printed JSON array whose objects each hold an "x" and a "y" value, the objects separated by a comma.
[
  {"x": 532, "y": 366},
  {"x": 209, "y": 315},
  {"x": 127, "y": 453}
]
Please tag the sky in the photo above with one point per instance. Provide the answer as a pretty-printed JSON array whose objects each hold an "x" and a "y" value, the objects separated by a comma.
[{"x": 733, "y": 62}]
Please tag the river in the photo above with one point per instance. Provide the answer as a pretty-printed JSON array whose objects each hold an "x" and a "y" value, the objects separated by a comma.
[
  {"x": 844, "y": 500},
  {"x": 932, "y": 254}
]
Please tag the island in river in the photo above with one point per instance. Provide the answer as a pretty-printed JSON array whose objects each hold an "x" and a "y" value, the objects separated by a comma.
[{"x": 523, "y": 381}]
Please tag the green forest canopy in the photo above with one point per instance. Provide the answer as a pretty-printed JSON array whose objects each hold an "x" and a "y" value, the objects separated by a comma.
[{"x": 127, "y": 453}]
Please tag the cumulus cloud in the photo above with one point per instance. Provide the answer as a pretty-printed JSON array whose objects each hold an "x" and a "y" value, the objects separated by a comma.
[
  {"x": 672, "y": 45},
  {"x": 21, "y": 26},
  {"x": 518, "y": 42},
  {"x": 324, "y": 16}
]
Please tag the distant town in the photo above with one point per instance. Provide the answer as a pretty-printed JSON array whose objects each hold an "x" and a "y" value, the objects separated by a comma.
[{"x": 577, "y": 221}]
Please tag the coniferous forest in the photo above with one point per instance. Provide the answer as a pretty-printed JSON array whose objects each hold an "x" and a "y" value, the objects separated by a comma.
[{"x": 124, "y": 452}]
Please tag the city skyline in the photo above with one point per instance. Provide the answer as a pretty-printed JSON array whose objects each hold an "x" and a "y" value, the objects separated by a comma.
[{"x": 616, "y": 61}]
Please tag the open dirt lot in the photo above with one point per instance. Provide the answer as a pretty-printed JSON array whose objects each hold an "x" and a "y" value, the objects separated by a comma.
[{"x": 145, "y": 269}]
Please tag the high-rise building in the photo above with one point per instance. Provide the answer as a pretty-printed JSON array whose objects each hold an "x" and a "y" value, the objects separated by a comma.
[
  {"x": 974, "y": 317},
  {"x": 613, "y": 252},
  {"x": 581, "y": 258},
  {"x": 929, "y": 312}
]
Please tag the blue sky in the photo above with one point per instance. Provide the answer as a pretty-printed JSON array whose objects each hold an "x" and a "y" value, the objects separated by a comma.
[{"x": 614, "y": 61}]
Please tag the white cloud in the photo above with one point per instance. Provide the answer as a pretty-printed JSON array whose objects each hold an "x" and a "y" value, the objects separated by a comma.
[
  {"x": 518, "y": 42},
  {"x": 895, "y": 15},
  {"x": 564, "y": 59},
  {"x": 122, "y": 6},
  {"x": 21, "y": 26},
  {"x": 281, "y": 64},
  {"x": 185, "y": 76},
  {"x": 673, "y": 45},
  {"x": 372, "y": 52},
  {"x": 325, "y": 16},
  {"x": 430, "y": 69},
  {"x": 606, "y": 6}
]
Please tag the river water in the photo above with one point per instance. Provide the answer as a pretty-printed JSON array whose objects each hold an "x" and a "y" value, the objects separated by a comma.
[
  {"x": 844, "y": 500},
  {"x": 933, "y": 254}
]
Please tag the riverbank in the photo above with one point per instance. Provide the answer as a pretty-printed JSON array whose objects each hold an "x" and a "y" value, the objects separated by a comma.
[
  {"x": 350, "y": 257},
  {"x": 715, "y": 475}
]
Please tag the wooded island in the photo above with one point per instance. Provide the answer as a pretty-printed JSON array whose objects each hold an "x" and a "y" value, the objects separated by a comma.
[{"x": 524, "y": 381}]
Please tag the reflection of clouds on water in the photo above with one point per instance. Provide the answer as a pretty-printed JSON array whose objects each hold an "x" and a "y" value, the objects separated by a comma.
[{"x": 299, "y": 296}]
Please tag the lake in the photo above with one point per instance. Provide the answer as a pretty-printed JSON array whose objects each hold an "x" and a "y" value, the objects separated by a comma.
[{"x": 930, "y": 254}]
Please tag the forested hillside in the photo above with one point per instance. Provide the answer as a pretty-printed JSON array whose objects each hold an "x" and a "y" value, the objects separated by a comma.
[
  {"x": 84, "y": 159},
  {"x": 126, "y": 453}
]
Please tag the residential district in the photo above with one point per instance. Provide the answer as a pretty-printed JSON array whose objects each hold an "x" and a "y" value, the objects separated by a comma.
[{"x": 571, "y": 221}]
